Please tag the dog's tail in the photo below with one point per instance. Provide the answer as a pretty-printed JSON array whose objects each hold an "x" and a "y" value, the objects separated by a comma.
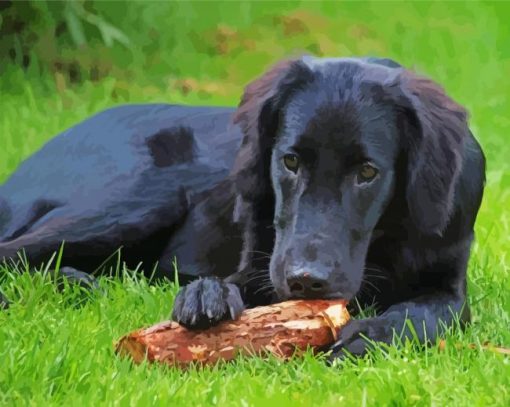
[{"x": 5, "y": 217}]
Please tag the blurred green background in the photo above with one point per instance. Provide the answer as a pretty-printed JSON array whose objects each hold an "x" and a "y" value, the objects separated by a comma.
[
  {"x": 81, "y": 56},
  {"x": 60, "y": 62}
]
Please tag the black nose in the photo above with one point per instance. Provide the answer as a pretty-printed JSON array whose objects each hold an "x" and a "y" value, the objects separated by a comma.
[{"x": 306, "y": 285}]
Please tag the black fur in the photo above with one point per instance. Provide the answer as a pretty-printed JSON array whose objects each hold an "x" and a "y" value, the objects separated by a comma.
[
  {"x": 400, "y": 241},
  {"x": 172, "y": 146},
  {"x": 140, "y": 177}
]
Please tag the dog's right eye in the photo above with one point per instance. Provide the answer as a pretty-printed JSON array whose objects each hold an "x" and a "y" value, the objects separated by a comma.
[
  {"x": 366, "y": 173},
  {"x": 291, "y": 161}
]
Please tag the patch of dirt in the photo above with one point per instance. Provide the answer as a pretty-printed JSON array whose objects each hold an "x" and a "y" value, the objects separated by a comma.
[{"x": 301, "y": 22}]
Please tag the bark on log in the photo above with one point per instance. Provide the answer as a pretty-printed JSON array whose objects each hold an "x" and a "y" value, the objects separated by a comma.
[{"x": 283, "y": 330}]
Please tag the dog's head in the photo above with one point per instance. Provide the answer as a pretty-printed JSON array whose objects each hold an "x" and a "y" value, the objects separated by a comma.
[{"x": 326, "y": 142}]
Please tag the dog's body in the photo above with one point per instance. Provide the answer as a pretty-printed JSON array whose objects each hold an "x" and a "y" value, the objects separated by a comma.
[
  {"x": 352, "y": 178},
  {"x": 131, "y": 177}
]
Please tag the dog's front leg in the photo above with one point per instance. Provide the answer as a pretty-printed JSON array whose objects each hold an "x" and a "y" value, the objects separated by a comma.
[
  {"x": 207, "y": 301},
  {"x": 428, "y": 315}
]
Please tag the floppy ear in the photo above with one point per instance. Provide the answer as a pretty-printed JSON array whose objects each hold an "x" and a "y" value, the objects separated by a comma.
[
  {"x": 258, "y": 116},
  {"x": 437, "y": 129}
]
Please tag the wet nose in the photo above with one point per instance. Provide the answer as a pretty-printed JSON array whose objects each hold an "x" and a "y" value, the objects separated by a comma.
[{"x": 306, "y": 285}]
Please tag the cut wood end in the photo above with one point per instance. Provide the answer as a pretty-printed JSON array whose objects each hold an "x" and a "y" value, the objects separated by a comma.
[{"x": 129, "y": 346}]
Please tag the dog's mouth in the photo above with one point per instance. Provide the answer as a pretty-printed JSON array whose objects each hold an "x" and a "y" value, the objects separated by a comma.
[
  {"x": 306, "y": 287},
  {"x": 287, "y": 294}
]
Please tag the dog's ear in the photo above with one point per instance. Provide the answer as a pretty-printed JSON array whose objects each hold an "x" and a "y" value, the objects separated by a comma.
[
  {"x": 434, "y": 140},
  {"x": 258, "y": 117}
]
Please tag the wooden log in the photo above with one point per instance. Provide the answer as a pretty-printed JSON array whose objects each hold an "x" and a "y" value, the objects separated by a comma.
[{"x": 283, "y": 330}]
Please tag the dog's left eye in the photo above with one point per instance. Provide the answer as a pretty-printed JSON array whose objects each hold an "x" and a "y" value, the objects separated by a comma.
[
  {"x": 366, "y": 173},
  {"x": 291, "y": 161}
]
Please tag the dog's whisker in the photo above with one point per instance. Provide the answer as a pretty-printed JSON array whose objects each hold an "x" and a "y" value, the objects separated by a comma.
[
  {"x": 259, "y": 251},
  {"x": 377, "y": 276},
  {"x": 264, "y": 289},
  {"x": 261, "y": 258},
  {"x": 255, "y": 280},
  {"x": 262, "y": 277},
  {"x": 263, "y": 272},
  {"x": 376, "y": 269},
  {"x": 365, "y": 281}
]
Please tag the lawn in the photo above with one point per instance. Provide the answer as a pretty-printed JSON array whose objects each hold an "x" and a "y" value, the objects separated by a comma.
[{"x": 56, "y": 345}]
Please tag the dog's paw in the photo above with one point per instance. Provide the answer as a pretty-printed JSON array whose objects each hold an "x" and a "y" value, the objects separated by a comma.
[
  {"x": 205, "y": 302},
  {"x": 73, "y": 276},
  {"x": 352, "y": 339}
]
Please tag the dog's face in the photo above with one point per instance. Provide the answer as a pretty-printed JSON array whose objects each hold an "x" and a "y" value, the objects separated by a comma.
[
  {"x": 327, "y": 140},
  {"x": 332, "y": 172}
]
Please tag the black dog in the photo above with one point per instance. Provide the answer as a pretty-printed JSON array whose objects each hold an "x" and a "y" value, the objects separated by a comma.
[{"x": 354, "y": 178}]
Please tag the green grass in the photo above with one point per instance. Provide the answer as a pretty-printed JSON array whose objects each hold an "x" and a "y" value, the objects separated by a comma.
[{"x": 56, "y": 347}]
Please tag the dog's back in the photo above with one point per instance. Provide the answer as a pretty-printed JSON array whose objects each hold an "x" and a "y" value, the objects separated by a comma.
[{"x": 129, "y": 168}]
